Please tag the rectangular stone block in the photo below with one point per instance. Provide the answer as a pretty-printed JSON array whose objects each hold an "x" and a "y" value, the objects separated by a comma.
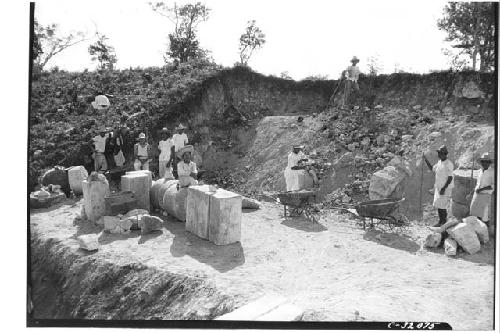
[
  {"x": 450, "y": 247},
  {"x": 465, "y": 237},
  {"x": 254, "y": 310},
  {"x": 285, "y": 312},
  {"x": 149, "y": 223},
  {"x": 224, "y": 226},
  {"x": 197, "y": 211},
  {"x": 110, "y": 222},
  {"x": 94, "y": 193},
  {"x": 139, "y": 184},
  {"x": 115, "y": 199}
]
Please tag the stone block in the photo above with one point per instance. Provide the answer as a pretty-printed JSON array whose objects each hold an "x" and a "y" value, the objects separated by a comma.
[
  {"x": 88, "y": 242},
  {"x": 94, "y": 193},
  {"x": 175, "y": 201},
  {"x": 197, "y": 210},
  {"x": 384, "y": 182},
  {"x": 465, "y": 237},
  {"x": 285, "y": 312},
  {"x": 146, "y": 172},
  {"x": 76, "y": 175},
  {"x": 463, "y": 185},
  {"x": 134, "y": 216},
  {"x": 139, "y": 183},
  {"x": 150, "y": 223},
  {"x": 110, "y": 222},
  {"x": 125, "y": 225},
  {"x": 433, "y": 240},
  {"x": 115, "y": 199},
  {"x": 40, "y": 201},
  {"x": 479, "y": 228},
  {"x": 224, "y": 226},
  {"x": 255, "y": 309},
  {"x": 459, "y": 210},
  {"x": 450, "y": 247}
]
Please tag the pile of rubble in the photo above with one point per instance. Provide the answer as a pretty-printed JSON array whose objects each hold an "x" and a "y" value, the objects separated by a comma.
[{"x": 468, "y": 234}]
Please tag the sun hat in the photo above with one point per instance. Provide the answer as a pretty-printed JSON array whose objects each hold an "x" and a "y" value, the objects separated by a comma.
[
  {"x": 164, "y": 130},
  {"x": 354, "y": 59},
  {"x": 180, "y": 126},
  {"x": 185, "y": 149},
  {"x": 142, "y": 136},
  {"x": 442, "y": 150},
  {"x": 298, "y": 147},
  {"x": 486, "y": 157}
]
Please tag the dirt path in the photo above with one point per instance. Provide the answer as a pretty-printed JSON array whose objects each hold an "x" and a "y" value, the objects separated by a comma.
[{"x": 334, "y": 268}]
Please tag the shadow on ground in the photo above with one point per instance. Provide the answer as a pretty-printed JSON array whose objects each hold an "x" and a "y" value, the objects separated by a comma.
[
  {"x": 486, "y": 256},
  {"x": 395, "y": 241},
  {"x": 223, "y": 258},
  {"x": 301, "y": 223}
]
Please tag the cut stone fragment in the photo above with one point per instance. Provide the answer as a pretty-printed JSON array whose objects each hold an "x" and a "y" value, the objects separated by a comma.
[
  {"x": 433, "y": 240},
  {"x": 450, "y": 247},
  {"x": 139, "y": 184},
  {"x": 465, "y": 237},
  {"x": 88, "y": 242},
  {"x": 149, "y": 223},
  {"x": 479, "y": 228}
]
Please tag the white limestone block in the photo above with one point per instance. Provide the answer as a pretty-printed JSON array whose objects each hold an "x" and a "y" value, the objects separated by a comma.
[
  {"x": 88, "y": 242},
  {"x": 465, "y": 237},
  {"x": 94, "y": 193},
  {"x": 224, "y": 226},
  {"x": 479, "y": 228},
  {"x": 139, "y": 183},
  {"x": 76, "y": 175},
  {"x": 110, "y": 222},
  {"x": 197, "y": 210}
]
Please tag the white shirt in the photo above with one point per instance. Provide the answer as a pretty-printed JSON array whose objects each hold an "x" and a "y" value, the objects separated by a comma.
[
  {"x": 100, "y": 143},
  {"x": 486, "y": 177},
  {"x": 185, "y": 169},
  {"x": 353, "y": 73},
  {"x": 142, "y": 151},
  {"x": 293, "y": 159},
  {"x": 179, "y": 140},
  {"x": 165, "y": 146},
  {"x": 443, "y": 170}
]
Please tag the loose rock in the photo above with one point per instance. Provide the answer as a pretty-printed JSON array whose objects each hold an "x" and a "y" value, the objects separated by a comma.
[
  {"x": 150, "y": 223},
  {"x": 88, "y": 242},
  {"x": 465, "y": 237},
  {"x": 450, "y": 247},
  {"x": 433, "y": 240},
  {"x": 479, "y": 228}
]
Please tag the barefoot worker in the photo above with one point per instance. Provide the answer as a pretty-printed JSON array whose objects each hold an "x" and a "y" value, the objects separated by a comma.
[
  {"x": 142, "y": 153},
  {"x": 295, "y": 167},
  {"x": 443, "y": 185},
  {"x": 481, "y": 200},
  {"x": 165, "y": 148},
  {"x": 186, "y": 168}
]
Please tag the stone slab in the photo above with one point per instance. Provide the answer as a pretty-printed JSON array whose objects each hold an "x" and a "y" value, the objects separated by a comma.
[
  {"x": 110, "y": 222},
  {"x": 94, "y": 193},
  {"x": 197, "y": 210},
  {"x": 149, "y": 223},
  {"x": 285, "y": 312},
  {"x": 255, "y": 309},
  {"x": 465, "y": 237},
  {"x": 224, "y": 225},
  {"x": 140, "y": 184},
  {"x": 76, "y": 175}
]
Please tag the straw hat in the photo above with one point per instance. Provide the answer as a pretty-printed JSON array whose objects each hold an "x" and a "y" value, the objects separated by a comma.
[
  {"x": 486, "y": 157},
  {"x": 164, "y": 130},
  {"x": 185, "y": 149},
  {"x": 142, "y": 136},
  {"x": 354, "y": 59}
]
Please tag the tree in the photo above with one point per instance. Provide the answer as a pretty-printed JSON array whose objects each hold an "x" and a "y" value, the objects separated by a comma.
[
  {"x": 252, "y": 38},
  {"x": 103, "y": 52},
  {"x": 374, "y": 65},
  {"x": 47, "y": 43},
  {"x": 472, "y": 26},
  {"x": 285, "y": 75},
  {"x": 317, "y": 77},
  {"x": 184, "y": 44}
]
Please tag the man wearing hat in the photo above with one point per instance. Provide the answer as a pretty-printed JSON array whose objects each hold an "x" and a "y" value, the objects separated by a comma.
[
  {"x": 165, "y": 147},
  {"x": 98, "y": 150},
  {"x": 351, "y": 74},
  {"x": 294, "y": 169},
  {"x": 481, "y": 199},
  {"x": 186, "y": 168},
  {"x": 443, "y": 185},
  {"x": 142, "y": 153},
  {"x": 179, "y": 140}
]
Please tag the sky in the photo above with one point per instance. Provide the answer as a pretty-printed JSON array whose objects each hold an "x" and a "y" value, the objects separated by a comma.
[{"x": 303, "y": 38}]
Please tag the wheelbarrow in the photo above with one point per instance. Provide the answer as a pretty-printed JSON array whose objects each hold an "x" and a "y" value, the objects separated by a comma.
[{"x": 300, "y": 203}]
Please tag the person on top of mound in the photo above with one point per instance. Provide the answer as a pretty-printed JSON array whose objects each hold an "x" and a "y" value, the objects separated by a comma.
[
  {"x": 443, "y": 184},
  {"x": 298, "y": 161},
  {"x": 142, "y": 153},
  {"x": 186, "y": 168},
  {"x": 351, "y": 89}
]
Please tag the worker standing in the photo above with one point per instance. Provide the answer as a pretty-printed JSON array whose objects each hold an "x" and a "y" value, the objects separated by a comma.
[
  {"x": 351, "y": 89},
  {"x": 179, "y": 140},
  {"x": 98, "y": 149},
  {"x": 142, "y": 153},
  {"x": 481, "y": 199},
  {"x": 165, "y": 148},
  {"x": 443, "y": 184}
]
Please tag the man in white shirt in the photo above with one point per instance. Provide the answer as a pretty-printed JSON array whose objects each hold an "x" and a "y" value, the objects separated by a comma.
[
  {"x": 294, "y": 169},
  {"x": 99, "y": 147},
  {"x": 186, "y": 168},
  {"x": 443, "y": 185},
  {"x": 351, "y": 87},
  {"x": 165, "y": 147},
  {"x": 142, "y": 153},
  {"x": 481, "y": 200},
  {"x": 179, "y": 140}
]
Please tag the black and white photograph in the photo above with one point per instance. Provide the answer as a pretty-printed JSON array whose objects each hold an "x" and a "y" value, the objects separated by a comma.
[{"x": 265, "y": 164}]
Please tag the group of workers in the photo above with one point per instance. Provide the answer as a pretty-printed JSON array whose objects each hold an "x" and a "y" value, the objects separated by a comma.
[
  {"x": 174, "y": 160},
  {"x": 443, "y": 185}
]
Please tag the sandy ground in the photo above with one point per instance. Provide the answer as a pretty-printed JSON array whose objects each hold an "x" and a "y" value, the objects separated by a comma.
[{"x": 334, "y": 268}]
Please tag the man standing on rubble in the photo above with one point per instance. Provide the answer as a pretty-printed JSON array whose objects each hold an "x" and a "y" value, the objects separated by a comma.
[
  {"x": 98, "y": 150},
  {"x": 443, "y": 185},
  {"x": 481, "y": 199},
  {"x": 351, "y": 89}
]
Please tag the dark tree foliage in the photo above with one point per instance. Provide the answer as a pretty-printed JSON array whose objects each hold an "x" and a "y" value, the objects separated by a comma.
[
  {"x": 252, "y": 39},
  {"x": 471, "y": 25},
  {"x": 103, "y": 52}
]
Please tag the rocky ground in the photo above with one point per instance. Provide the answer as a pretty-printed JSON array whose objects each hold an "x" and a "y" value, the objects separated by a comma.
[{"x": 334, "y": 270}]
